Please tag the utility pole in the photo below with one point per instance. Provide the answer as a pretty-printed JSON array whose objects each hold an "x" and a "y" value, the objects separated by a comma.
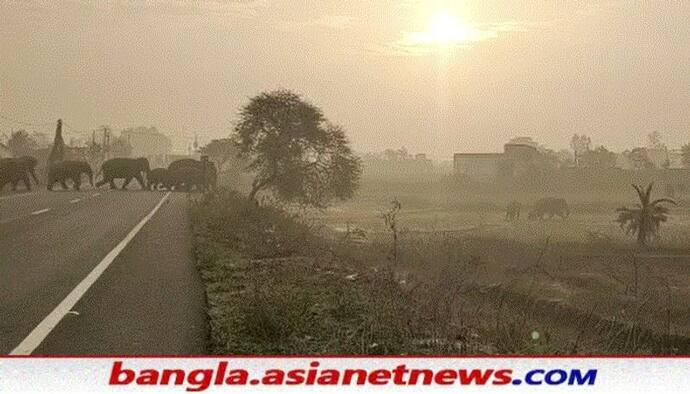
[{"x": 106, "y": 142}]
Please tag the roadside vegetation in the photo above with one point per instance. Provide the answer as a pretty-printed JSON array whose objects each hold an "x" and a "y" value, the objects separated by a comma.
[
  {"x": 274, "y": 287},
  {"x": 278, "y": 283}
]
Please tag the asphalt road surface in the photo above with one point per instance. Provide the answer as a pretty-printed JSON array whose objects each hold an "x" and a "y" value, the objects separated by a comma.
[{"x": 98, "y": 272}]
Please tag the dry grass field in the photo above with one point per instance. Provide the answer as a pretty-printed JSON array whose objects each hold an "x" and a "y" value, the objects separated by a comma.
[
  {"x": 581, "y": 282},
  {"x": 459, "y": 279}
]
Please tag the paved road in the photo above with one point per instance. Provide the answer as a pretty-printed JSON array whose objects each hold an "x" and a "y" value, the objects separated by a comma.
[{"x": 149, "y": 299}]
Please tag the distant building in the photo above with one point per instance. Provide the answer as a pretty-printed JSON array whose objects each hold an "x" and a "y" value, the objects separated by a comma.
[
  {"x": 487, "y": 166},
  {"x": 665, "y": 158},
  {"x": 517, "y": 152},
  {"x": 396, "y": 163},
  {"x": 479, "y": 166},
  {"x": 148, "y": 142}
]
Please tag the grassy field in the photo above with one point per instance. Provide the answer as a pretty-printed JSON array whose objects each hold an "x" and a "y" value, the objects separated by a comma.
[
  {"x": 573, "y": 279},
  {"x": 461, "y": 280}
]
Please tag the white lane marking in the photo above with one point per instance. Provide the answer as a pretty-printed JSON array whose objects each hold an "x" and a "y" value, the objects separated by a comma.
[
  {"x": 31, "y": 342},
  {"x": 76, "y": 200},
  {"x": 40, "y": 211},
  {"x": 96, "y": 194}
]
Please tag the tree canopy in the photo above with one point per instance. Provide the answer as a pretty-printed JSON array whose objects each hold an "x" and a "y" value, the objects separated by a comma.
[
  {"x": 686, "y": 155},
  {"x": 645, "y": 219},
  {"x": 294, "y": 151},
  {"x": 639, "y": 158},
  {"x": 21, "y": 143},
  {"x": 580, "y": 145},
  {"x": 220, "y": 150},
  {"x": 598, "y": 158}
]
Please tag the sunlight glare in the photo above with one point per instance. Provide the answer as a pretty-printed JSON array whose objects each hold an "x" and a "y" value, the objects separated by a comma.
[{"x": 445, "y": 29}]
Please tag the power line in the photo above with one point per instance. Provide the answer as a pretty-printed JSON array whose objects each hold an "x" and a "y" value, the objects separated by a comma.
[{"x": 25, "y": 123}]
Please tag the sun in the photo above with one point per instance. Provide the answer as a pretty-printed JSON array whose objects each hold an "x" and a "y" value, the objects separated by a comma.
[{"x": 445, "y": 29}]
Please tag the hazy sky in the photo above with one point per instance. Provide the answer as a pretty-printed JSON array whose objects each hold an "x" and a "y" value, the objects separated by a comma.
[{"x": 386, "y": 70}]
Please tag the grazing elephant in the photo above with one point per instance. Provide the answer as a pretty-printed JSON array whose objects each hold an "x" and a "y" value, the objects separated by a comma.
[
  {"x": 186, "y": 178},
  {"x": 124, "y": 168},
  {"x": 158, "y": 177},
  {"x": 61, "y": 171},
  {"x": 550, "y": 207},
  {"x": 208, "y": 168},
  {"x": 513, "y": 211}
]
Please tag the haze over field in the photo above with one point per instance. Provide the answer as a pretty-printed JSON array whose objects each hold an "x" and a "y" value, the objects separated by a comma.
[{"x": 435, "y": 76}]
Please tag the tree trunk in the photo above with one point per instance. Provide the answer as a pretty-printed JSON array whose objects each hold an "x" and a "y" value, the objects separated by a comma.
[
  {"x": 255, "y": 189},
  {"x": 257, "y": 185}
]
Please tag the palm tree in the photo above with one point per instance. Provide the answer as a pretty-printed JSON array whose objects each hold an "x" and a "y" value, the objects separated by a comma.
[{"x": 645, "y": 219}]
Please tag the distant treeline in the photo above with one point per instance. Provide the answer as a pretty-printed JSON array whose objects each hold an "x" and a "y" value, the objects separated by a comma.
[{"x": 670, "y": 182}]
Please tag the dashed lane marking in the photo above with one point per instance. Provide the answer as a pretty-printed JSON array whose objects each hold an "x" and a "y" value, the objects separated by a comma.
[
  {"x": 40, "y": 211},
  {"x": 76, "y": 200},
  {"x": 17, "y": 195}
]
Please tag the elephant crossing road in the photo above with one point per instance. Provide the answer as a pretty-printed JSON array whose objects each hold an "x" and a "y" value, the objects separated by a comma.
[
  {"x": 18, "y": 169},
  {"x": 124, "y": 168},
  {"x": 72, "y": 170}
]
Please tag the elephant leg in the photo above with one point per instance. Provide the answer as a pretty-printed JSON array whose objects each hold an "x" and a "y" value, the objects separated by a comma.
[
  {"x": 140, "y": 179},
  {"x": 127, "y": 181},
  {"x": 113, "y": 186},
  {"x": 63, "y": 183},
  {"x": 77, "y": 182},
  {"x": 27, "y": 182},
  {"x": 14, "y": 186},
  {"x": 32, "y": 172}
]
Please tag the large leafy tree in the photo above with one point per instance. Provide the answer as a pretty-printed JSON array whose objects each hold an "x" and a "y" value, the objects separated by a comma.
[
  {"x": 645, "y": 219},
  {"x": 580, "y": 145},
  {"x": 598, "y": 158},
  {"x": 220, "y": 151},
  {"x": 21, "y": 143},
  {"x": 120, "y": 147},
  {"x": 294, "y": 151},
  {"x": 639, "y": 158}
]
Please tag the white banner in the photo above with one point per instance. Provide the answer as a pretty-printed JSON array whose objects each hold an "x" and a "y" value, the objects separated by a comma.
[{"x": 345, "y": 375}]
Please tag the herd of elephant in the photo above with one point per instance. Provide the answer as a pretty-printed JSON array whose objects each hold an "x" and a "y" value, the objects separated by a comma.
[
  {"x": 546, "y": 207},
  {"x": 183, "y": 174}
]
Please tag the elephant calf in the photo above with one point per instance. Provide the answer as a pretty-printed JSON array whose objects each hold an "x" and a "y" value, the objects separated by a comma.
[
  {"x": 550, "y": 207},
  {"x": 186, "y": 178},
  {"x": 158, "y": 177},
  {"x": 73, "y": 170},
  {"x": 207, "y": 168}
]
